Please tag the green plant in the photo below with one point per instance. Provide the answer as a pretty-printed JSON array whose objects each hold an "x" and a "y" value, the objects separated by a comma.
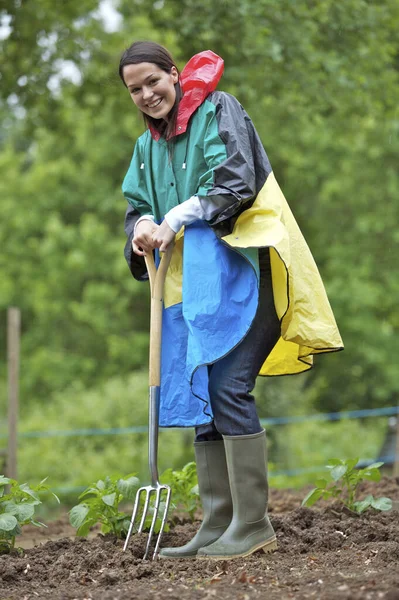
[
  {"x": 100, "y": 504},
  {"x": 346, "y": 479},
  {"x": 17, "y": 508},
  {"x": 184, "y": 485}
]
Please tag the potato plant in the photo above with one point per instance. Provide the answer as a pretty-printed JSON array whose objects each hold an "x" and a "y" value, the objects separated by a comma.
[
  {"x": 184, "y": 485},
  {"x": 100, "y": 504},
  {"x": 344, "y": 486},
  {"x": 17, "y": 508}
]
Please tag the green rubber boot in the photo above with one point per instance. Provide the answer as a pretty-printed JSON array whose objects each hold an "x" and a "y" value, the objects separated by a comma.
[
  {"x": 214, "y": 489},
  {"x": 250, "y": 528}
]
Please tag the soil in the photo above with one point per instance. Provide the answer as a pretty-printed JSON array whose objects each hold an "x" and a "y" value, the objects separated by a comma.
[{"x": 323, "y": 552}]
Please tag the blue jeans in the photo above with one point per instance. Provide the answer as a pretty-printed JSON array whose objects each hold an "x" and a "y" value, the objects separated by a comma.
[{"x": 232, "y": 379}]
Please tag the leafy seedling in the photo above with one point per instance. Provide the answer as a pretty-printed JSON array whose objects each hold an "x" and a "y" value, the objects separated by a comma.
[
  {"x": 17, "y": 508},
  {"x": 184, "y": 484},
  {"x": 344, "y": 486},
  {"x": 100, "y": 503}
]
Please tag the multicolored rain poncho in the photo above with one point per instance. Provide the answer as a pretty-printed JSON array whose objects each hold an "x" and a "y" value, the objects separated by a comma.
[{"x": 211, "y": 291}]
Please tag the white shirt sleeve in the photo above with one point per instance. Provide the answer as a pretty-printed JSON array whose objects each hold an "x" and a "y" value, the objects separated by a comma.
[
  {"x": 143, "y": 218},
  {"x": 194, "y": 209}
]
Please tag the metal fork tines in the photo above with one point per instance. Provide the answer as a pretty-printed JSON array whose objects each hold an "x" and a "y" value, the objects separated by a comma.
[
  {"x": 157, "y": 280},
  {"x": 156, "y": 487},
  {"x": 147, "y": 492}
]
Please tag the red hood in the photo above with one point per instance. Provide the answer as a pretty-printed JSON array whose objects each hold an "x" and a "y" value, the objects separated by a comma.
[{"x": 199, "y": 78}]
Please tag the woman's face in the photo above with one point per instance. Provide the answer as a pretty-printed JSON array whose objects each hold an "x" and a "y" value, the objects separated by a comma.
[{"x": 151, "y": 89}]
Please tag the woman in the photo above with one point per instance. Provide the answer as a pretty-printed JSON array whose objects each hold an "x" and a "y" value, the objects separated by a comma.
[{"x": 244, "y": 297}]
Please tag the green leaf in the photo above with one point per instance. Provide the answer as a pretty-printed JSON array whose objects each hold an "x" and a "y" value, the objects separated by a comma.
[
  {"x": 16, "y": 531},
  {"x": 361, "y": 506},
  {"x": 125, "y": 526},
  {"x": 195, "y": 490},
  {"x": 89, "y": 492},
  {"x": 128, "y": 487},
  {"x": 373, "y": 475},
  {"x": 56, "y": 497},
  {"x": 25, "y": 511},
  {"x": 100, "y": 485},
  {"x": 37, "y": 523},
  {"x": 78, "y": 514},
  {"x": 312, "y": 497},
  {"x": 338, "y": 472},
  {"x": 109, "y": 499},
  {"x": 84, "y": 529},
  {"x": 167, "y": 476},
  {"x": 369, "y": 498},
  {"x": 7, "y": 522},
  {"x": 4, "y": 480},
  {"x": 333, "y": 462},
  {"x": 190, "y": 469},
  {"x": 321, "y": 483},
  {"x": 120, "y": 516},
  {"x": 10, "y": 507},
  {"x": 351, "y": 463},
  {"x": 376, "y": 465},
  {"x": 382, "y": 503},
  {"x": 25, "y": 488},
  {"x": 106, "y": 526}
]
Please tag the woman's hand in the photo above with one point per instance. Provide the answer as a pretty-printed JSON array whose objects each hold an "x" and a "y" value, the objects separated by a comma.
[
  {"x": 163, "y": 236},
  {"x": 142, "y": 242}
]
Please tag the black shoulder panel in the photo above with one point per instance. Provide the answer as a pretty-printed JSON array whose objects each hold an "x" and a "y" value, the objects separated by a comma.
[{"x": 246, "y": 168}]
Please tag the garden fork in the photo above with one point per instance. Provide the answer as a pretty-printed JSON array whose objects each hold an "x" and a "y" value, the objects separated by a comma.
[{"x": 157, "y": 280}]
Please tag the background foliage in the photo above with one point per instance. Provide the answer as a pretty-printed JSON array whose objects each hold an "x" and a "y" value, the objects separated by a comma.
[{"x": 320, "y": 80}]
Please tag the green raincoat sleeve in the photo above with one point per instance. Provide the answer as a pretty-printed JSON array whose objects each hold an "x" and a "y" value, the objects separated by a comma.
[{"x": 134, "y": 190}]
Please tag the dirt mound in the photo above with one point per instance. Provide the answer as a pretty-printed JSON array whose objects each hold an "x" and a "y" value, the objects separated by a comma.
[{"x": 323, "y": 553}]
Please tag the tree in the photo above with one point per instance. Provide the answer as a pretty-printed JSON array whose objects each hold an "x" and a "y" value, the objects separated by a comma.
[
  {"x": 319, "y": 79},
  {"x": 84, "y": 318}
]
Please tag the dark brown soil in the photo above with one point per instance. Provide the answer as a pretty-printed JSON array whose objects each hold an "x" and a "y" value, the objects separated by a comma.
[{"x": 324, "y": 553}]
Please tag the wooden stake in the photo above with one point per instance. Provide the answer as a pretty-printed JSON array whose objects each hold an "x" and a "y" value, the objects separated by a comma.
[
  {"x": 13, "y": 351},
  {"x": 396, "y": 457}
]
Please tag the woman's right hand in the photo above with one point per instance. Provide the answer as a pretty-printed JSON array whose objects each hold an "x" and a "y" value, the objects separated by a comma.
[{"x": 142, "y": 241}]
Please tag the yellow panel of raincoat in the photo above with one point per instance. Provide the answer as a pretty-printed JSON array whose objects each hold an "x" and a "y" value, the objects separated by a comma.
[{"x": 307, "y": 322}]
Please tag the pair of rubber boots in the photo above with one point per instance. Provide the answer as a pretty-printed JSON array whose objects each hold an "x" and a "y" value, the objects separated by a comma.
[{"x": 233, "y": 487}]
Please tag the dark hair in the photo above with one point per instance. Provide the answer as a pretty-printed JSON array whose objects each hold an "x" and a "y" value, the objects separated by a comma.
[{"x": 152, "y": 52}]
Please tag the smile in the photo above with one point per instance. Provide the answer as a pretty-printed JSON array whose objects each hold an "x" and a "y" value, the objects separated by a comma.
[{"x": 155, "y": 104}]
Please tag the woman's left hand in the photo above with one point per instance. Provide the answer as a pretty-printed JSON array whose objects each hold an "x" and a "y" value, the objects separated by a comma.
[{"x": 163, "y": 236}]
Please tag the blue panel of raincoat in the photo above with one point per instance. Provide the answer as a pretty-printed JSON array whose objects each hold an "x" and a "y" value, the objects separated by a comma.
[{"x": 220, "y": 298}]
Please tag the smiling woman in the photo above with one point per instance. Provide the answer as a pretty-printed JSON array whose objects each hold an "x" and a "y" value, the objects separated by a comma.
[
  {"x": 152, "y": 89},
  {"x": 157, "y": 80},
  {"x": 242, "y": 295}
]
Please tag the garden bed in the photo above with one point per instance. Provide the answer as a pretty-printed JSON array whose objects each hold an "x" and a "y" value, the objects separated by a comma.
[{"x": 324, "y": 552}]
